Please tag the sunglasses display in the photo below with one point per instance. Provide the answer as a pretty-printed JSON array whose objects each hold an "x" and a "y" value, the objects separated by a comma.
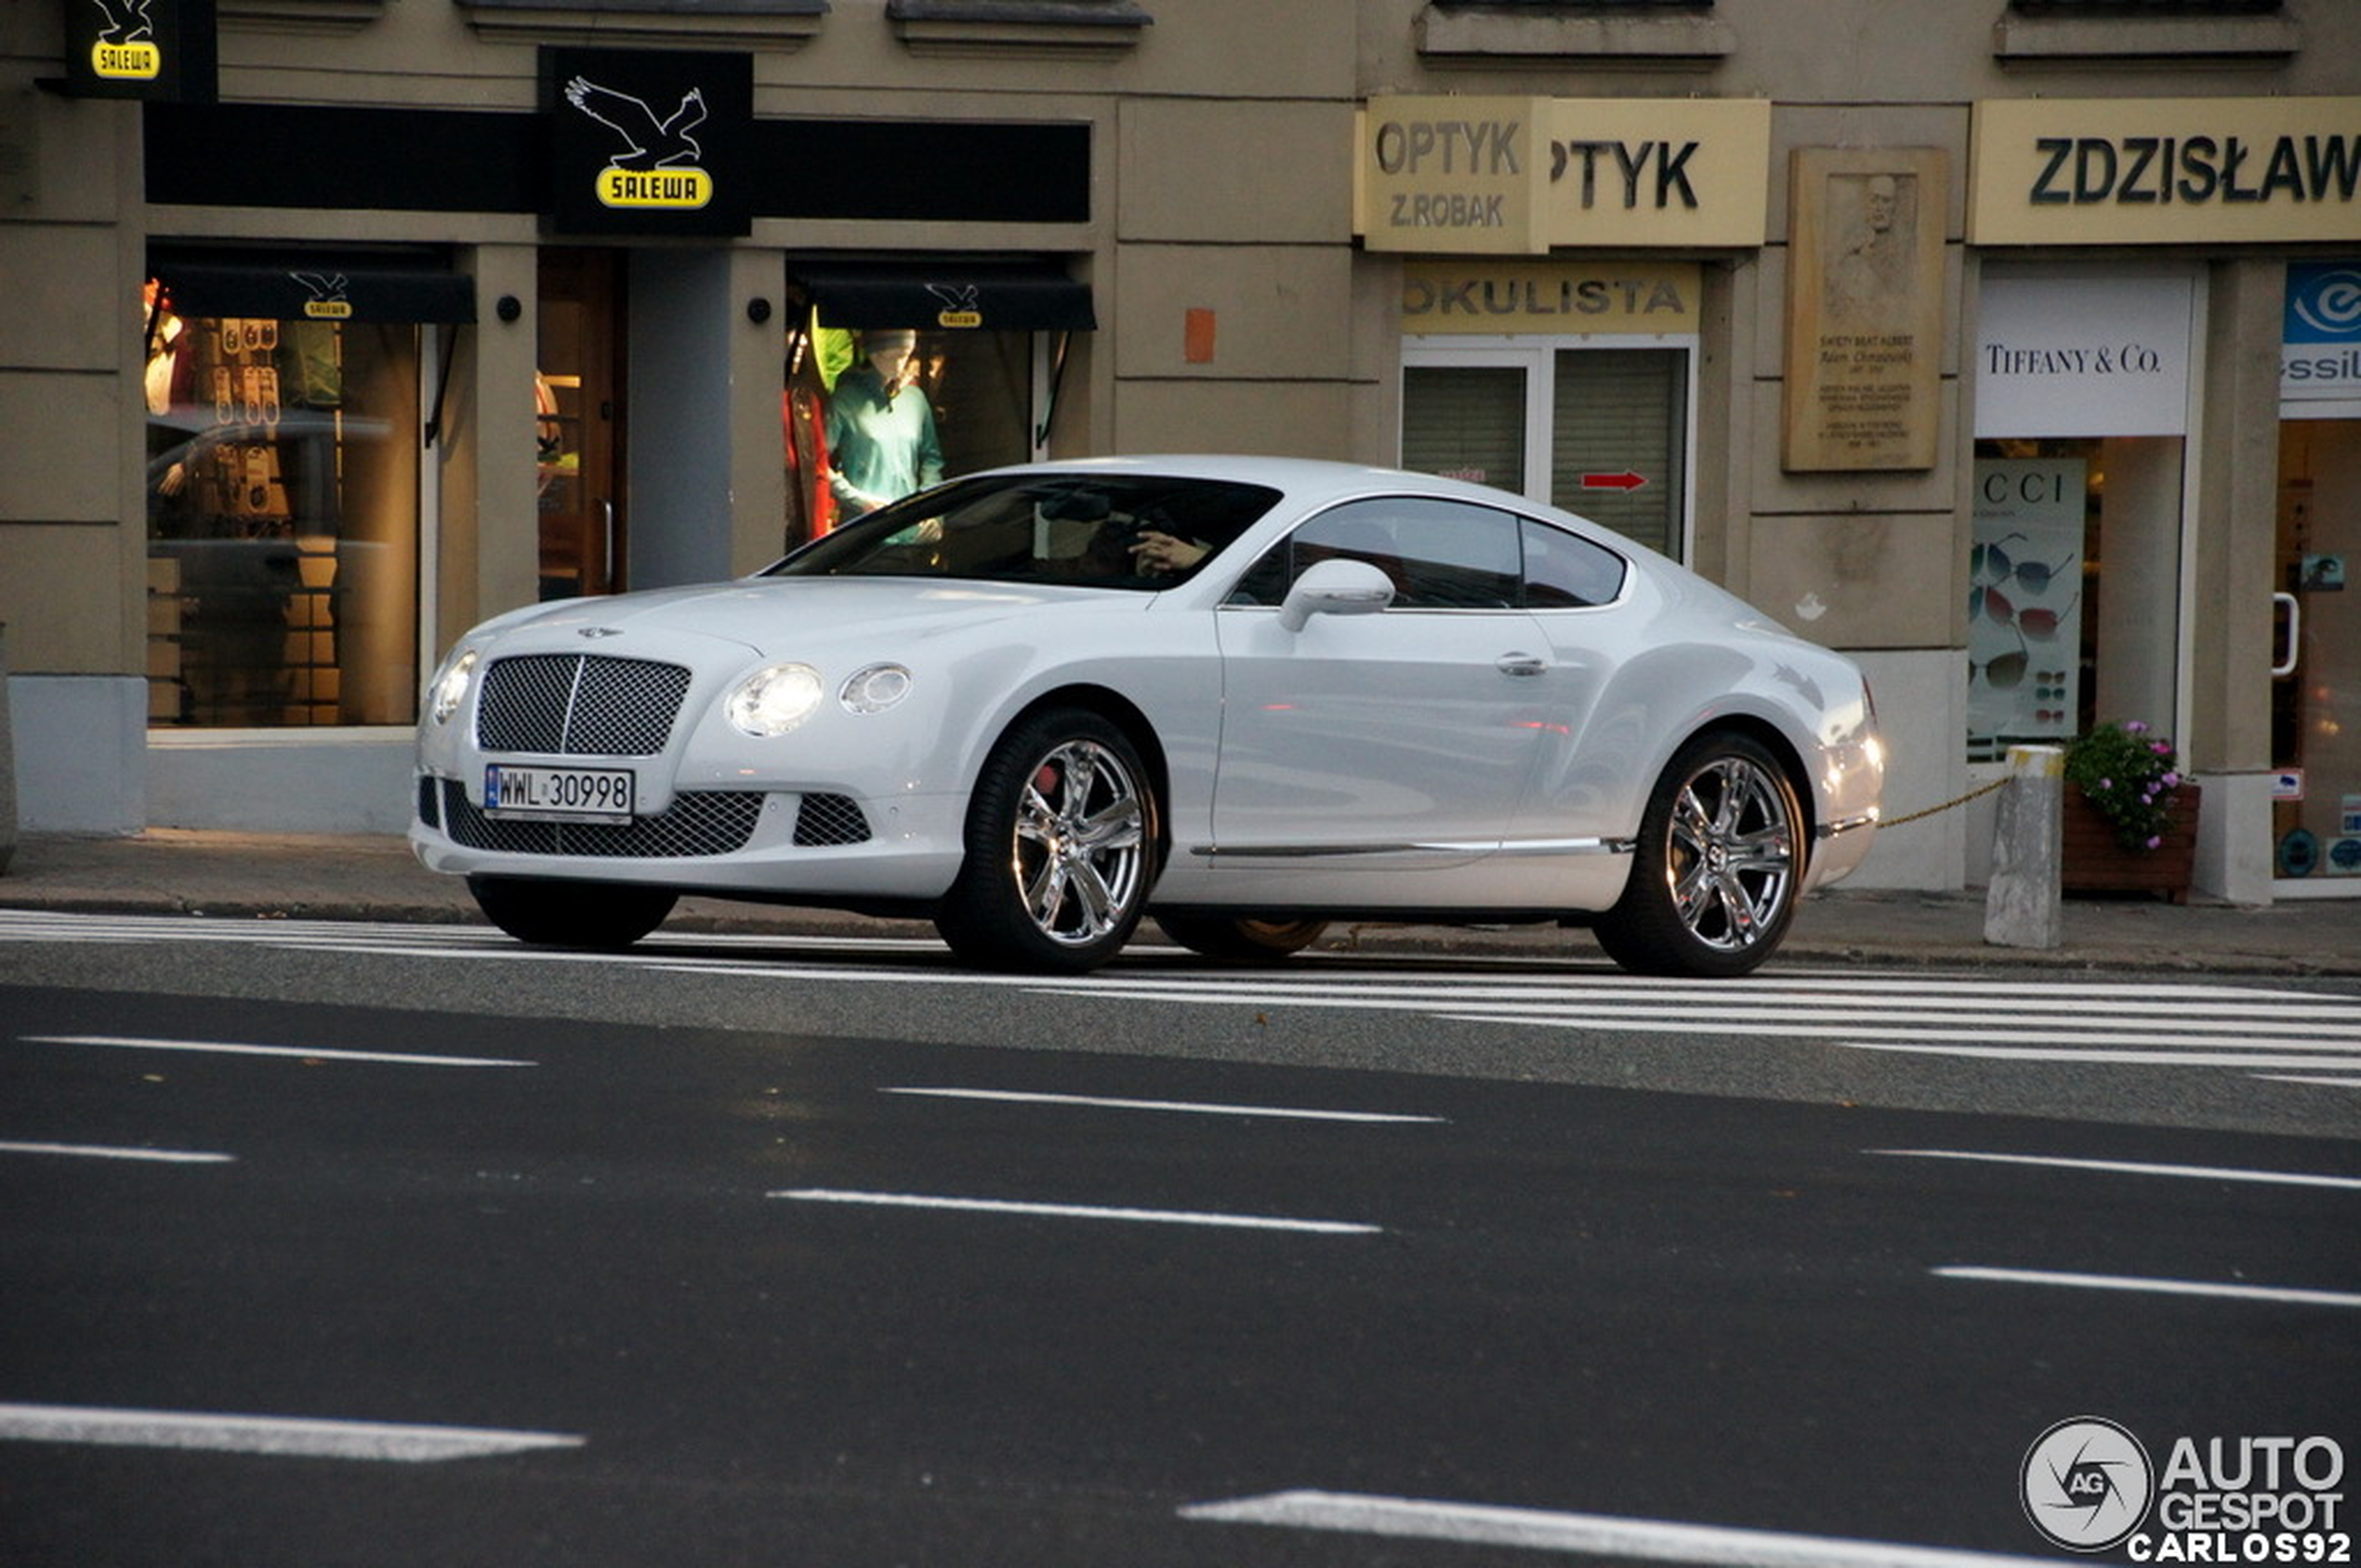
[{"x": 1996, "y": 606}]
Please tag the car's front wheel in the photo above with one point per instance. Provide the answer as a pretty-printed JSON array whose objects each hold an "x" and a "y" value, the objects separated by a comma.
[
  {"x": 1061, "y": 848},
  {"x": 1718, "y": 865},
  {"x": 602, "y": 915},
  {"x": 1240, "y": 939}
]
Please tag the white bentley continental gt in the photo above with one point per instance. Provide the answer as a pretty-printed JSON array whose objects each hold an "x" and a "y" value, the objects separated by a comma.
[{"x": 1247, "y": 697}]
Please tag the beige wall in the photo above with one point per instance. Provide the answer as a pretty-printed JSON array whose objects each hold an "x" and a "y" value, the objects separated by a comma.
[{"x": 1221, "y": 181}]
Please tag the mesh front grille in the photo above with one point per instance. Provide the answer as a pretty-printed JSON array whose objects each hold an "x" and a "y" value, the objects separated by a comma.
[
  {"x": 697, "y": 823},
  {"x": 826, "y": 821},
  {"x": 427, "y": 793},
  {"x": 579, "y": 705}
]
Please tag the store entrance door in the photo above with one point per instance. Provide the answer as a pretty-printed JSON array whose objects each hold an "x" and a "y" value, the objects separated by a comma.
[
  {"x": 578, "y": 392},
  {"x": 2316, "y": 708}
]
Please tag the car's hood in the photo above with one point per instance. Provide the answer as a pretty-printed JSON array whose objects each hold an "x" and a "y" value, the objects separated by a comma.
[{"x": 774, "y": 614}]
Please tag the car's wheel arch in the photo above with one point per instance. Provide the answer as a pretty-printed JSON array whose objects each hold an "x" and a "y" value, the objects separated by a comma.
[
  {"x": 1782, "y": 748},
  {"x": 1109, "y": 704}
]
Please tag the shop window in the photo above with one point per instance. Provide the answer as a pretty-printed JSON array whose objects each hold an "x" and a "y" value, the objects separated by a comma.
[
  {"x": 2072, "y": 585},
  {"x": 874, "y": 415},
  {"x": 283, "y": 484},
  {"x": 1599, "y": 430},
  {"x": 2073, "y": 588}
]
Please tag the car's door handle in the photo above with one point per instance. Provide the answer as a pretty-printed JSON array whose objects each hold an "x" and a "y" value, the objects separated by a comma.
[{"x": 1521, "y": 663}]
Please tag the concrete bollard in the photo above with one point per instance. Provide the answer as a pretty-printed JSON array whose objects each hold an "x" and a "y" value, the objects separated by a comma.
[
  {"x": 7, "y": 763},
  {"x": 2021, "y": 906}
]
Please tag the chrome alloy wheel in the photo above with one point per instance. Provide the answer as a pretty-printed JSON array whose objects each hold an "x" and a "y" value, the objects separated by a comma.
[
  {"x": 1080, "y": 853},
  {"x": 1732, "y": 853}
]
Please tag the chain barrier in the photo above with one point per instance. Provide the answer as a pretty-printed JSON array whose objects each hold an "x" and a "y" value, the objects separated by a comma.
[{"x": 1884, "y": 822}]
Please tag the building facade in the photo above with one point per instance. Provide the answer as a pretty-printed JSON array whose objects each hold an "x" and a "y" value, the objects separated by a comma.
[{"x": 2013, "y": 346}]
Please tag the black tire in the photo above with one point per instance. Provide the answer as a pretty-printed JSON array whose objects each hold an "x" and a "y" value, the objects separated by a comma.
[
  {"x": 1238, "y": 939},
  {"x": 603, "y": 917},
  {"x": 1718, "y": 865},
  {"x": 1062, "y": 849}
]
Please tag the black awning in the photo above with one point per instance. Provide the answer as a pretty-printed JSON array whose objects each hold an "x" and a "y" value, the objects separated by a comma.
[
  {"x": 316, "y": 290},
  {"x": 989, "y": 295}
]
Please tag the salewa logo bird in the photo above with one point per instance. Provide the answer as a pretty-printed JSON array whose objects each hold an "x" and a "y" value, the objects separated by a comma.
[
  {"x": 126, "y": 46},
  {"x": 960, "y": 302},
  {"x": 657, "y": 165},
  {"x": 125, "y": 22},
  {"x": 327, "y": 301}
]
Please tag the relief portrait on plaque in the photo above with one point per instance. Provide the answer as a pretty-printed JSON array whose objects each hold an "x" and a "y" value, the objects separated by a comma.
[{"x": 1876, "y": 215}]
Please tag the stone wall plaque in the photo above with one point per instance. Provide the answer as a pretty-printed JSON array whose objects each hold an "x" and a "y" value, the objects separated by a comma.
[{"x": 1865, "y": 307}]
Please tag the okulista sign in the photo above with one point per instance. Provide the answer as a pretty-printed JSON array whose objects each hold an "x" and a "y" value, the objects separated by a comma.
[{"x": 2164, "y": 171}]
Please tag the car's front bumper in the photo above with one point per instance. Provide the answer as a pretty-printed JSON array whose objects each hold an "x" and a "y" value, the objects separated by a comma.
[{"x": 761, "y": 842}]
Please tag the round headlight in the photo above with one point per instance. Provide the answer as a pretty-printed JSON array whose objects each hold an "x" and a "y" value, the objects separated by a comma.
[
  {"x": 450, "y": 687},
  {"x": 876, "y": 689},
  {"x": 775, "y": 700}
]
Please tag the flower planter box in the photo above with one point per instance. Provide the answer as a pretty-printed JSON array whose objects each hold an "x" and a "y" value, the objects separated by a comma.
[{"x": 2091, "y": 862}]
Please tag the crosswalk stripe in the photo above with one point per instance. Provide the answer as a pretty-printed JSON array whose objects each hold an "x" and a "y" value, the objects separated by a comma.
[{"x": 2271, "y": 1031}]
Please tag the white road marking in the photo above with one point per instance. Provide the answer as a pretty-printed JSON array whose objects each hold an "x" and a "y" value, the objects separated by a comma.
[
  {"x": 275, "y": 1435},
  {"x": 1184, "y": 1107},
  {"x": 235, "y": 1048},
  {"x": 1646, "y": 1540},
  {"x": 2159, "y": 1288},
  {"x": 101, "y": 1152},
  {"x": 2267, "y": 1031},
  {"x": 1079, "y": 1211},
  {"x": 2128, "y": 1168},
  {"x": 2171, "y": 1053}
]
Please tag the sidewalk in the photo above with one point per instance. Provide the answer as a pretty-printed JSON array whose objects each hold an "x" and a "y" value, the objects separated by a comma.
[{"x": 240, "y": 875}]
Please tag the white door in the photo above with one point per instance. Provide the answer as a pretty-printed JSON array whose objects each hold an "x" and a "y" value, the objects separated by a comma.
[{"x": 1404, "y": 739}]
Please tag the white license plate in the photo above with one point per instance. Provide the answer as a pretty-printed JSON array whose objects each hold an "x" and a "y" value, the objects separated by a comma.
[{"x": 582, "y": 794}]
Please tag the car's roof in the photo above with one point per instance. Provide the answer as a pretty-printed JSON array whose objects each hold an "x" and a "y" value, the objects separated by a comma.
[
  {"x": 1296, "y": 476},
  {"x": 1313, "y": 480}
]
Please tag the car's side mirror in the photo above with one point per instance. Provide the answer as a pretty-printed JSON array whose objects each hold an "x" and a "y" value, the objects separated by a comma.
[{"x": 1335, "y": 587}]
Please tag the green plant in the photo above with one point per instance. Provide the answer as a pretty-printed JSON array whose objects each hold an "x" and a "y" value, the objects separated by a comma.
[{"x": 2131, "y": 775}]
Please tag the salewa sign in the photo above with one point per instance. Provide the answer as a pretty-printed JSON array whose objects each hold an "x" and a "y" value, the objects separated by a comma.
[
  {"x": 2164, "y": 171},
  {"x": 1508, "y": 176},
  {"x": 651, "y": 143},
  {"x": 161, "y": 50}
]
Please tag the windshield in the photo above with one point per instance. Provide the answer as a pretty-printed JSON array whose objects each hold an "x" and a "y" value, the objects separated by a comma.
[{"x": 1141, "y": 531}]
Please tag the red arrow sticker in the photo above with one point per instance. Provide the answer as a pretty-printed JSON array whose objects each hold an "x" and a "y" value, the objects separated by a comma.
[{"x": 1625, "y": 481}]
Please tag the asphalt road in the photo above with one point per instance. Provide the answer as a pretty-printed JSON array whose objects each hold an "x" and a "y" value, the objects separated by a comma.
[{"x": 853, "y": 1259}]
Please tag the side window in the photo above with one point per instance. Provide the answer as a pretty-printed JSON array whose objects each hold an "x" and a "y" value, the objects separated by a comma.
[
  {"x": 1565, "y": 571},
  {"x": 1441, "y": 555}
]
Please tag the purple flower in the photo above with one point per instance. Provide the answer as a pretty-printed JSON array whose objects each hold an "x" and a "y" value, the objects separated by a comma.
[
  {"x": 2153, "y": 842},
  {"x": 2170, "y": 781},
  {"x": 2136, "y": 728},
  {"x": 2106, "y": 783}
]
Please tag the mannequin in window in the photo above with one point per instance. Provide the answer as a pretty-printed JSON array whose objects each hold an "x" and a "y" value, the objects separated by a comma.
[
  {"x": 880, "y": 428},
  {"x": 171, "y": 383}
]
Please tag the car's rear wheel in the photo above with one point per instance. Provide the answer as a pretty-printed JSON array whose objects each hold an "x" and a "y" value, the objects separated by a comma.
[
  {"x": 1061, "y": 848},
  {"x": 1238, "y": 939},
  {"x": 602, "y": 916},
  {"x": 1718, "y": 865}
]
